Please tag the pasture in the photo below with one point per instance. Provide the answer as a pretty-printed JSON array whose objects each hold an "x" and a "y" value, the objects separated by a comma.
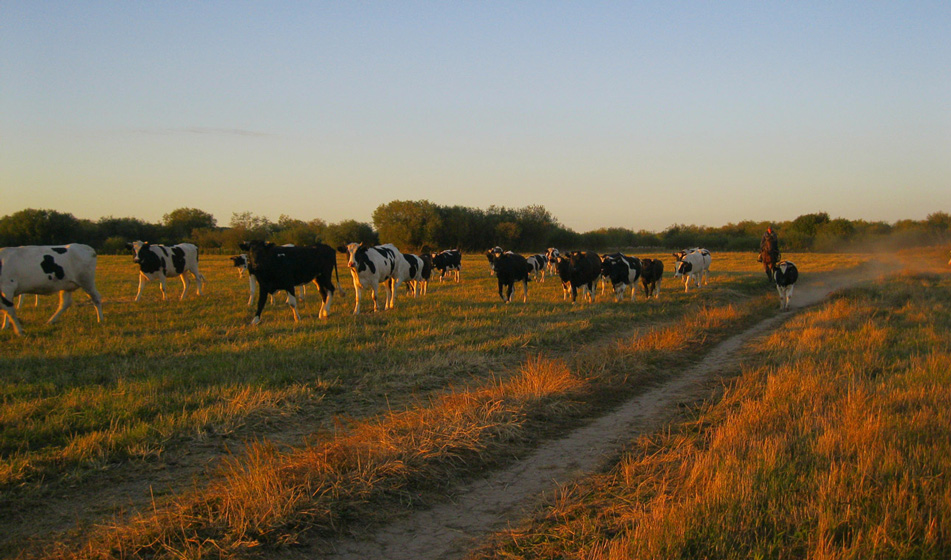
[{"x": 173, "y": 387}]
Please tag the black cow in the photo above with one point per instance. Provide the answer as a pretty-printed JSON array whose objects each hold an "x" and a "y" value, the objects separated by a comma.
[
  {"x": 509, "y": 269},
  {"x": 652, "y": 271},
  {"x": 491, "y": 255},
  {"x": 579, "y": 269},
  {"x": 448, "y": 261},
  {"x": 282, "y": 268}
]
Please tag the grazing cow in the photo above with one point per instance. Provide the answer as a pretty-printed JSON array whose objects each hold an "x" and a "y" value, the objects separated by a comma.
[
  {"x": 785, "y": 275},
  {"x": 283, "y": 268},
  {"x": 652, "y": 272},
  {"x": 491, "y": 255},
  {"x": 509, "y": 269},
  {"x": 419, "y": 271},
  {"x": 580, "y": 269},
  {"x": 622, "y": 271},
  {"x": 448, "y": 261},
  {"x": 693, "y": 265},
  {"x": 44, "y": 270},
  {"x": 158, "y": 262},
  {"x": 552, "y": 255},
  {"x": 371, "y": 266},
  {"x": 537, "y": 265}
]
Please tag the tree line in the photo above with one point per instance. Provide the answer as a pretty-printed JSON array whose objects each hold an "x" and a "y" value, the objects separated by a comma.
[{"x": 422, "y": 225}]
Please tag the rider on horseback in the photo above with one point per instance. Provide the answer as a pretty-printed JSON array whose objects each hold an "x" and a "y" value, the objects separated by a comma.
[{"x": 769, "y": 245}]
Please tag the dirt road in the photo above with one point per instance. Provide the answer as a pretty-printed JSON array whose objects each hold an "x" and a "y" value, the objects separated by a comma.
[{"x": 452, "y": 528}]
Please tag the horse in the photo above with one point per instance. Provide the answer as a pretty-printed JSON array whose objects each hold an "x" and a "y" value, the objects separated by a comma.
[{"x": 769, "y": 255}]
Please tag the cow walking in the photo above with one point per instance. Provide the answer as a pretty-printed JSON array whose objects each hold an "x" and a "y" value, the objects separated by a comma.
[
  {"x": 785, "y": 275},
  {"x": 509, "y": 269},
  {"x": 692, "y": 265},
  {"x": 580, "y": 269},
  {"x": 622, "y": 271},
  {"x": 372, "y": 266},
  {"x": 652, "y": 272},
  {"x": 537, "y": 265},
  {"x": 42, "y": 269},
  {"x": 420, "y": 269},
  {"x": 448, "y": 261},
  {"x": 283, "y": 268},
  {"x": 158, "y": 262}
]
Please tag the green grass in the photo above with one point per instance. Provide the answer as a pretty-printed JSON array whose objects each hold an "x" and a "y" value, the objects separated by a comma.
[
  {"x": 835, "y": 442},
  {"x": 154, "y": 375}
]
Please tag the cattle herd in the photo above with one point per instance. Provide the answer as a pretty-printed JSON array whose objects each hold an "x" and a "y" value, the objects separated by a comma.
[{"x": 272, "y": 268}]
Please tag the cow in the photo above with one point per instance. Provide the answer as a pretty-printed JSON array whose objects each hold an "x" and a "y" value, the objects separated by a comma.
[
  {"x": 241, "y": 263},
  {"x": 419, "y": 271},
  {"x": 652, "y": 272},
  {"x": 692, "y": 265},
  {"x": 537, "y": 264},
  {"x": 622, "y": 271},
  {"x": 509, "y": 269},
  {"x": 491, "y": 255},
  {"x": 283, "y": 268},
  {"x": 785, "y": 275},
  {"x": 158, "y": 262},
  {"x": 552, "y": 255},
  {"x": 372, "y": 266},
  {"x": 46, "y": 269},
  {"x": 448, "y": 261},
  {"x": 580, "y": 269}
]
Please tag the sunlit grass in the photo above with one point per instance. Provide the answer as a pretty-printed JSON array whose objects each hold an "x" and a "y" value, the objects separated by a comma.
[{"x": 834, "y": 443}]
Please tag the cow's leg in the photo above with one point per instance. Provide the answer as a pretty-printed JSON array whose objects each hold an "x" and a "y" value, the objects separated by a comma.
[
  {"x": 262, "y": 300},
  {"x": 525, "y": 286},
  {"x": 199, "y": 280},
  {"x": 252, "y": 285},
  {"x": 292, "y": 301},
  {"x": 162, "y": 287},
  {"x": 9, "y": 314},
  {"x": 326, "y": 297},
  {"x": 142, "y": 280},
  {"x": 391, "y": 297},
  {"x": 375, "y": 289},
  {"x": 184, "y": 285},
  {"x": 65, "y": 300}
]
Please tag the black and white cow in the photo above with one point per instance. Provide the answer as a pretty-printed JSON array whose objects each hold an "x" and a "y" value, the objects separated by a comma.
[
  {"x": 241, "y": 263},
  {"x": 509, "y": 269},
  {"x": 418, "y": 274},
  {"x": 491, "y": 255},
  {"x": 46, "y": 269},
  {"x": 372, "y": 266},
  {"x": 785, "y": 275},
  {"x": 692, "y": 265},
  {"x": 580, "y": 269},
  {"x": 158, "y": 262},
  {"x": 284, "y": 268},
  {"x": 622, "y": 271},
  {"x": 552, "y": 255},
  {"x": 652, "y": 272},
  {"x": 448, "y": 261},
  {"x": 537, "y": 265}
]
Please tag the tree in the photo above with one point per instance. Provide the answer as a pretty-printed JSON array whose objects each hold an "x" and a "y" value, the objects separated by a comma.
[
  {"x": 408, "y": 224},
  {"x": 350, "y": 231},
  {"x": 181, "y": 222},
  {"x": 41, "y": 227}
]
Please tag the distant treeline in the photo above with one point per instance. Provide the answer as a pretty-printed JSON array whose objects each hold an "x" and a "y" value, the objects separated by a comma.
[{"x": 414, "y": 225}]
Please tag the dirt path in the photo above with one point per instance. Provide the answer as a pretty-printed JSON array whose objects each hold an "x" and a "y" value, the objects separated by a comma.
[{"x": 452, "y": 528}]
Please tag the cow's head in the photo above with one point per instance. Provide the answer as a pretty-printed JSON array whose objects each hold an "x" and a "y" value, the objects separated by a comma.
[
  {"x": 357, "y": 253},
  {"x": 563, "y": 266},
  {"x": 136, "y": 247},
  {"x": 239, "y": 260},
  {"x": 552, "y": 254},
  {"x": 257, "y": 251},
  {"x": 682, "y": 268}
]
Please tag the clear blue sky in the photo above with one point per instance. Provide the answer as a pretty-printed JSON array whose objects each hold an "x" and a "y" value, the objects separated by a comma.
[{"x": 631, "y": 114}]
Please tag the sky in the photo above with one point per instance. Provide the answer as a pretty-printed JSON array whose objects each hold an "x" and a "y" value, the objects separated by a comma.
[{"x": 609, "y": 114}]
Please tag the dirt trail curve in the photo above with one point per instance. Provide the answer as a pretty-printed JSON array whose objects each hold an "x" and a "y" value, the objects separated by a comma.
[{"x": 452, "y": 528}]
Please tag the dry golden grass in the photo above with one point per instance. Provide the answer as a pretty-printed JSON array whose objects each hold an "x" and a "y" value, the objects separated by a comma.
[{"x": 835, "y": 442}]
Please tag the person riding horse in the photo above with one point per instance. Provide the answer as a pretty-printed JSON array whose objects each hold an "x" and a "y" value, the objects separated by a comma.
[{"x": 769, "y": 251}]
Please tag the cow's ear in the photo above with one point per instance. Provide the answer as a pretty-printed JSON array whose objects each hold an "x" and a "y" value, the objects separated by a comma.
[
  {"x": 342, "y": 249},
  {"x": 363, "y": 245},
  {"x": 244, "y": 246},
  {"x": 129, "y": 246}
]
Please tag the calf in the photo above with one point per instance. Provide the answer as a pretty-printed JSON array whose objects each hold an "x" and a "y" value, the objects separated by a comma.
[
  {"x": 371, "y": 266},
  {"x": 509, "y": 269},
  {"x": 580, "y": 269},
  {"x": 241, "y": 263},
  {"x": 693, "y": 265},
  {"x": 418, "y": 274},
  {"x": 537, "y": 265},
  {"x": 622, "y": 271},
  {"x": 652, "y": 272},
  {"x": 283, "y": 268},
  {"x": 552, "y": 255},
  {"x": 158, "y": 262},
  {"x": 448, "y": 261},
  {"x": 785, "y": 275},
  {"x": 46, "y": 270}
]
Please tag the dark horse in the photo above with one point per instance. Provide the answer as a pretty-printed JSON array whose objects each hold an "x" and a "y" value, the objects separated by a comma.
[{"x": 769, "y": 255}]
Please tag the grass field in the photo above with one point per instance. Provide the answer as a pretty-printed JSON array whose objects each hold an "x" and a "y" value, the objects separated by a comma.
[
  {"x": 79, "y": 398},
  {"x": 833, "y": 442}
]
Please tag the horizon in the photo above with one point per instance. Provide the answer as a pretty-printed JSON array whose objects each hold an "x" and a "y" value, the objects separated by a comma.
[{"x": 609, "y": 115}]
